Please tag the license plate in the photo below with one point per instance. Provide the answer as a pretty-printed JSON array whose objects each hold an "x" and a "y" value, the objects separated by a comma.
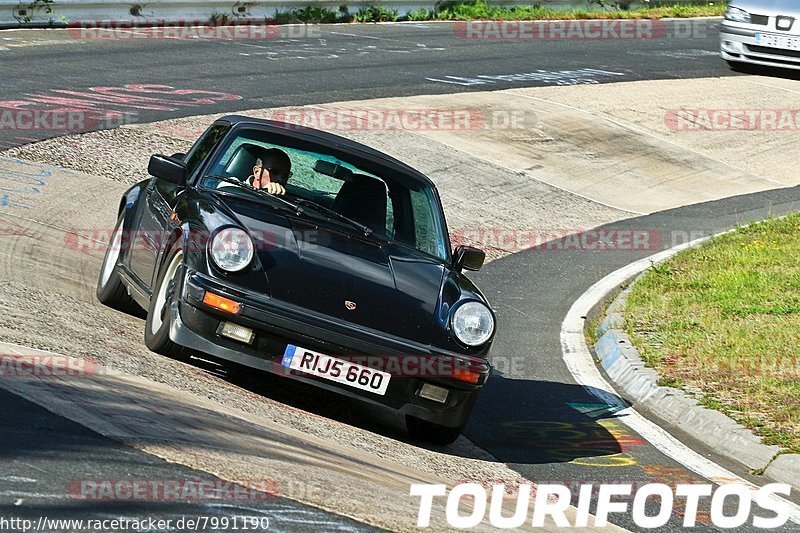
[
  {"x": 774, "y": 40},
  {"x": 338, "y": 370}
]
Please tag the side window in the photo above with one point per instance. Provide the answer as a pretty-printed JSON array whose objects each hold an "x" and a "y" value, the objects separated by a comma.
[
  {"x": 389, "y": 217},
  {"x": 202, "y": 148},
  {"x": 425, "y": 224}
]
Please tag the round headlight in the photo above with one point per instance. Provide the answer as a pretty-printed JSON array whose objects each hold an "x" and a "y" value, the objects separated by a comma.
[
  {"x": 232, "y": 249},
  {"x": 473, "y": 323}
]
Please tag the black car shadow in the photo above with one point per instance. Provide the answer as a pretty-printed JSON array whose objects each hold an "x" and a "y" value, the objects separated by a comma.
[
  {"x": 516, "y": 421},
  {"x": 764, "y": 70},
  {"x": 535, "y": 422}
]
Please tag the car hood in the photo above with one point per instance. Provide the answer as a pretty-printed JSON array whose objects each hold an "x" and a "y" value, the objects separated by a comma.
[
  {"x": 338, "y": 272},
  {"x": 789, "y": 8}
]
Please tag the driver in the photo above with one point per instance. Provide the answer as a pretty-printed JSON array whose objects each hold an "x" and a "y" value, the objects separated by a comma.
[{"x": 271, "y": 172}]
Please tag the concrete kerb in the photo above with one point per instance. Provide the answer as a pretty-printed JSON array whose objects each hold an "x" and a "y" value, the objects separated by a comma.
[{"x": 623, "y": 364}]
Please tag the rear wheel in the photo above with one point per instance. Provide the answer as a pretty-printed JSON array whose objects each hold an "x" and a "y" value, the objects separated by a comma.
[
  {"x": 110, "y": 289},
  {"x": 429, "y": 432},
  {"x": 156, "y": 327}
]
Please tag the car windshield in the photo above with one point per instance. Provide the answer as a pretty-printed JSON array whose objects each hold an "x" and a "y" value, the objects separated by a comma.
[{"x": 338, "y": 187}]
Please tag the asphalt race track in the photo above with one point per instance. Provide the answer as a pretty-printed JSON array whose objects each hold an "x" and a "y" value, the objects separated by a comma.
[
  {"x": 40, "y": 451},
  {"x": 531, "y": 416},
  {"x": 334, "y": 63}
]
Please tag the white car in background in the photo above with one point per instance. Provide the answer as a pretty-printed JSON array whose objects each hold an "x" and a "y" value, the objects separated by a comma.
[{"x": 761, "y": 32}]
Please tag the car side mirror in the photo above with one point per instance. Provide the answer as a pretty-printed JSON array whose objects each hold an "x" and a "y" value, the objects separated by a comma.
[
  {"x": 168, "y": 169},
  {"x": 468, "y": 258}
]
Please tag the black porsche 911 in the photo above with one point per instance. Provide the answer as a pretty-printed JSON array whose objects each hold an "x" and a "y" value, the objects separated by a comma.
[{"x": 344, "y": 279}]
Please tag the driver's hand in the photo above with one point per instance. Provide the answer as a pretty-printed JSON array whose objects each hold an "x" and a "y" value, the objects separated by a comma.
[{"x": 274, "y": 188}]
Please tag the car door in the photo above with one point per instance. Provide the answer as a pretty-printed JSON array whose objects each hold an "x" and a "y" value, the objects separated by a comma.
[{"x": 158, "y": 205}]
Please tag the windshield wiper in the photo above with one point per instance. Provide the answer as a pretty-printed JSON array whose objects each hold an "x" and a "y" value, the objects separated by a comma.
[
  {"x": 296, "y": 207},
  {"x": 243, "y": 184},
  {"x": 314, "y": 205}
]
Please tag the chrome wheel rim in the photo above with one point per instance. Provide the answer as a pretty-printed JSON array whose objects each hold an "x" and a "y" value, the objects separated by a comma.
[
  {"x": 112, "y": 255},
  {"x": 161, "y": 295}
]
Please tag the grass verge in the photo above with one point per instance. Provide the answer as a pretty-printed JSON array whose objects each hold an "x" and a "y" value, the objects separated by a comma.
[
  {"x": 723, "y": 322},
  {"x": 479, "y": 10}
]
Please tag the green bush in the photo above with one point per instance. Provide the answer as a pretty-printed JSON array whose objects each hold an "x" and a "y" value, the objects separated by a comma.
[
  {"x": 375, "y": 13},
  {"x": 420, "y": 14},
  {"x": 284, "y": 17},
  {"x": 307, "y": 15},
  {"x": 315, "y": 14},
  {"x": 480, "y": 10}
]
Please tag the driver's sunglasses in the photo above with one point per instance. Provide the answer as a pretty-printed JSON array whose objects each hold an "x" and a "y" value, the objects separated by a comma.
[{"x": 268, "y": 170}]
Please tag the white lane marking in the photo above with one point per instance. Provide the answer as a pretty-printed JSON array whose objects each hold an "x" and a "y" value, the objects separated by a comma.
[
  {"x": 579, "y": 361},
  {"x": 13, "y": 349},
  {"x": 17, "y": 479},
  {"x": 771, "y": 86},
  {"x": 35, "y": 468},
  {"x": 364, "y": 36},
  {"x": 584, "y": 76},
  {"x": 17, "y": 493},
  {"x": 676, "y": 54},
  {"x": 47, "y": 42},
  {"x": 459, "y": 80}
]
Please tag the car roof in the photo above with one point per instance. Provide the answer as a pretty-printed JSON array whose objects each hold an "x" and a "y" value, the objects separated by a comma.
[{"x": 329, "y": 139}]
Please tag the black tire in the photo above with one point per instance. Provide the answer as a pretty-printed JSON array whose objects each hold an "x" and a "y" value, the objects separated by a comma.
[
  {"x": 423, "y": 430},
  {"x": 110, "y": 289},
  {"x": 156, "y": 327}
]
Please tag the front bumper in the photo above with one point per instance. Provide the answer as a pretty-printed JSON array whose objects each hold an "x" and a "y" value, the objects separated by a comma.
[
  {"x": 195, "y": 326},
  {"x": 738, "y": 43}
]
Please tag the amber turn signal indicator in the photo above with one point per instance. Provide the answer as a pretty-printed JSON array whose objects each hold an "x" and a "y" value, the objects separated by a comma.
[
  {"x": 467, "y": 376},
  {"x": 220, "y": 302}
]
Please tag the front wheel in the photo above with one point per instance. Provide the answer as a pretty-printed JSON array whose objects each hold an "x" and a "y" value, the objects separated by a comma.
[
  {"x": 110, "y": 289},
  {"x": 423, "y": 430},
  {"x": 156, "y": 327}
]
